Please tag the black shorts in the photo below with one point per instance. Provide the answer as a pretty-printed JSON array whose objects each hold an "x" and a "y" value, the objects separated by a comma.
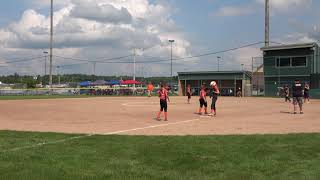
[
  {"x": 203, "y": 103},
  {"x": 189, "y": 95},
  {"x": 297, "y": 101},
  {"x": 213, "y": 103},
  {"x": 306, "y": 95},
  {"x": 163, "y": 105}
]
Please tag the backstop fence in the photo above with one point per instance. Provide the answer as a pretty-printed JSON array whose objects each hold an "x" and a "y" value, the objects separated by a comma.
[{"x": 257, "y": 80}]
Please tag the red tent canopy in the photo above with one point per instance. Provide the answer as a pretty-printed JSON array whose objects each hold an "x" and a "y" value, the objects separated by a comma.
[{"x": 131, "y": 82}]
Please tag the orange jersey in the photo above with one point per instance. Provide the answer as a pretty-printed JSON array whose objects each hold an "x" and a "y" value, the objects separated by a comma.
[
  {"x": 203, "y": 94},
  {"x": 150, "y": 87},
  {"x": 163, "y": 94}
]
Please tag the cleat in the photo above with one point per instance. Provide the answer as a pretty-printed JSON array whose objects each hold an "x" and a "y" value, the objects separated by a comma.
[{"x": 301, "y": 112}]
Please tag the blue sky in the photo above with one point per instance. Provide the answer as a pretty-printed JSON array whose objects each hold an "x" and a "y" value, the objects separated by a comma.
[{"x": 88, "y": 29}]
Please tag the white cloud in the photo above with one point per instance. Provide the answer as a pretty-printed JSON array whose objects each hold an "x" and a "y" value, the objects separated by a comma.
[
  {"x": 46, "y": 3},
  {"x": 95, "y": 28},
  {"x": 297, "y": 37},
  {"x": 287, "y": 5},
  {"x": 234, "y": 11},
  {"x": 276, "y": 6},
  {"x": 242, "y": 56},
  {"x": 102, "y": 13}
]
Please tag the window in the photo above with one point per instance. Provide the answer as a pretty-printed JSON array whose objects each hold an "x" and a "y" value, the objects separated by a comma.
[
  {"x": 299, "y": 61},
  {"x": 283, "y": 62},
  {"x": 291, "y": 61}
]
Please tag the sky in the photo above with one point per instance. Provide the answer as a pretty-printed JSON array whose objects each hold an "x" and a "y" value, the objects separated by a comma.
[{"x": 108, "y": 31}]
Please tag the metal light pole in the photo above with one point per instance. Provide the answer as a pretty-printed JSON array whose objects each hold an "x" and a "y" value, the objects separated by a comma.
[
  {"x": 171, "y": 42},
  {"x": 51, "y": 43},
  {"x": 58, "y": 72},
  {"x": 267, "y": 24},
  {"x": 134, "y": 64},
  {"x": 252, "y": 75},
  {"x": 45, "y": 62},
  {"x": 134, "y": 70},
  {"x": 218, "y": 57},
  {"x": 279, "y": 73},
  {"x": 243, "y": 79}
]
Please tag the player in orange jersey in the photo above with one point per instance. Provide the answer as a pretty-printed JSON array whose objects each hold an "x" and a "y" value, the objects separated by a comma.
[
  {"x": 203, "y": 100},
  {"x": 150, "y": 89},
  {"x": 163, "y": 95}
]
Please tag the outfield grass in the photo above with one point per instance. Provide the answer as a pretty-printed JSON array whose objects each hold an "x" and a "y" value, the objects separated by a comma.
[{"x": 140, "y": 157}]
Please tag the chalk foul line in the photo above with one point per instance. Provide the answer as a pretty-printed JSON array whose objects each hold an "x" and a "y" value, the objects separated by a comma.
[
  {"x": 149, "y": 127},
  {"x": 89, "y": 135}
]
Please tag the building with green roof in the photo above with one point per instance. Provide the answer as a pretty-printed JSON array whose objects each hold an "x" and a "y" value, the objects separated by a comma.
[
  {"x": 285, "y": 63},
  {"x": 229, "y": 81}
]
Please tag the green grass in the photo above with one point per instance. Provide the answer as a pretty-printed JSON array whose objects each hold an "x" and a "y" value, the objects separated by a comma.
[{"x": 295, "y": 156}]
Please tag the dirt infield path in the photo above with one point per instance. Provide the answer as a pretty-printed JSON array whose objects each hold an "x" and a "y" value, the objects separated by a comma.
[{"x": 134, "y": 116}]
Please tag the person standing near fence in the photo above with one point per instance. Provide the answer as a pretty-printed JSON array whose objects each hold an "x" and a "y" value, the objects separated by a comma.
[
  {"x": 150, "y": 89},
  {"x": 306, "y": 93},
  {"x": 189, "y": 93},
  {"x": 163, "y": 95},
  {"x": 239, "y": 92},
  {"x": 297, "y": 95},
  {"x": 287, "y": 94},
  {"x": 214, "y": 96}
]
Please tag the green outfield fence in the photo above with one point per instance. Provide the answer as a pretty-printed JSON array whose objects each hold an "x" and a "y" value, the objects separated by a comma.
[{"x": 315, "y": 93}]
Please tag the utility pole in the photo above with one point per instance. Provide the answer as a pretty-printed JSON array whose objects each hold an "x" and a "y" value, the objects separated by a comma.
[
  {"x": 243, "y": 80},
  {"x": 58, "y": 72},
  {"x": 279, "y": 73},
  {"x": 267, "y": 23},
  {"x": 45, "y": 62},
  {"x": 134, "y": 70},
  {"x": 171, "y": 42},
  {"x": 51, "y": 43},
  {"x": 252, "y": 75}
]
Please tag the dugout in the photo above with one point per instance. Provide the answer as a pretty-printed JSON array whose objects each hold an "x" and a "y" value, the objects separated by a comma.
[
  {"x": 228, "y": 81},
  {"x": 285, "y": 63}
]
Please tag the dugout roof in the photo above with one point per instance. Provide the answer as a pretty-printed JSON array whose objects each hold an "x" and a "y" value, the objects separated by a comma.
[
  {"x": 290, "y": 46},
  {"x": 214, "y": 75}
]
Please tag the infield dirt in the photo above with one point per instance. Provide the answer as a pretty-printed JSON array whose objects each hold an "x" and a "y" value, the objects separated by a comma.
[{"x": 135, "y": 116}]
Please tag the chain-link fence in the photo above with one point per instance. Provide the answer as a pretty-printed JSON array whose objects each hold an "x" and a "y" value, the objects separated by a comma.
[{"x": 257, "y": 81}]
